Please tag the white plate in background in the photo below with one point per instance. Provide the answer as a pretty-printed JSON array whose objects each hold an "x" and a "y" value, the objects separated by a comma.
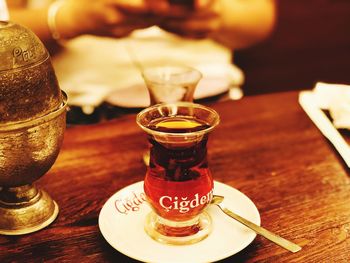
[{"x": 217, "y": 79}]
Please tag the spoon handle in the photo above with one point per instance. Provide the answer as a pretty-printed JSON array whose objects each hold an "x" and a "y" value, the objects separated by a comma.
[{"x": 264, "y": 232}]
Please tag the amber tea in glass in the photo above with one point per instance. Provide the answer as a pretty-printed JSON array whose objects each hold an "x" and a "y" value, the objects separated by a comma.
[{"x": 178, "y": 183}]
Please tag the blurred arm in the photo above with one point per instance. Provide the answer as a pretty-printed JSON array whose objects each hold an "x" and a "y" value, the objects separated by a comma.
[
  {"x": 34, "y": 19},
  {"x": 115, "y": 18},
  {"x": 245, "y": 22}
]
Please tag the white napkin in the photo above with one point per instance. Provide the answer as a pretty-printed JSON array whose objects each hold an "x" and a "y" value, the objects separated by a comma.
[
  {"x": 336, "y": 99},
  {"x": 93, "y": 69},
  {"x": 328, "y": 96}
]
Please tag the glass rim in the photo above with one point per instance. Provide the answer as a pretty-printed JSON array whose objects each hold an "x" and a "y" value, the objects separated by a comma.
[
  {"x": 178, "y": 104},
  {"x": 189, "y": 69}
]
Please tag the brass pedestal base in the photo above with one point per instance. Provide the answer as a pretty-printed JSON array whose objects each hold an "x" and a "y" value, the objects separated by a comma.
[{"x": 25, "y": 209}]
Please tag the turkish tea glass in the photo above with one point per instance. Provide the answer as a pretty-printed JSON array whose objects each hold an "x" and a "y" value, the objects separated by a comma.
[
  {"x": 178, "y": 183},
  {"x": 170, "y": 83}
]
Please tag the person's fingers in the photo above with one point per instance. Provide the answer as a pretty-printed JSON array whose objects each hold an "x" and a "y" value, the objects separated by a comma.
[
  {"x": 171, "y": 8},
  {"x": 130, "y": 25},
  {"x": 205, "y": 7},
  {"x": 184, "y": 8},
  {"x": 112, "y": 17},
  {"x": 128, "y": 6},
  {"x": 191, "y": 27},
  {"x": 121, "y": 31},
  {"x": 203, "y": 4},
  {"x": 158, "y": 6},
  {"x": 185, "y": 4}
]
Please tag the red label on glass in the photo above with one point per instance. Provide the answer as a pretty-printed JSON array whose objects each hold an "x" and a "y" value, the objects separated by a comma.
[{"x": 178, "y": 200}]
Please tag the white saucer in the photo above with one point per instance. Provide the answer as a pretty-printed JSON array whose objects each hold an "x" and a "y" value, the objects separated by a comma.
[{"x": 124, "y": 229}]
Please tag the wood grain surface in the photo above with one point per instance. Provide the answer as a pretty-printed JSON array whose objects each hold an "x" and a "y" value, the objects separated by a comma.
[{"x": 265, "y": 146}]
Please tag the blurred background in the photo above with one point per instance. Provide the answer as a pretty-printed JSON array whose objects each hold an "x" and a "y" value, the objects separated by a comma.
[{"x": 311, "y": 42}]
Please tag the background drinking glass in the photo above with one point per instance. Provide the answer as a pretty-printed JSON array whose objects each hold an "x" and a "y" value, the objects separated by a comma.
[
  {"x": 178, "y": 183},
  {"x": 171, "y": 83}
]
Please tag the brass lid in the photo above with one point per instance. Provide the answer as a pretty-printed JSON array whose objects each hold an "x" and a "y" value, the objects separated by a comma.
[{"x": 28, "y": 84}]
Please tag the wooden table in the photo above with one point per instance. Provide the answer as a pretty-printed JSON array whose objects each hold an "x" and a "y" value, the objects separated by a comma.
[{"x": 265, "y": 146}]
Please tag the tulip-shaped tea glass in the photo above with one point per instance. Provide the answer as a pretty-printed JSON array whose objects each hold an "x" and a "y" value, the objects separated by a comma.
[
  {"x": 170, "y": 83},
  {"x": 178, "y": 183}
]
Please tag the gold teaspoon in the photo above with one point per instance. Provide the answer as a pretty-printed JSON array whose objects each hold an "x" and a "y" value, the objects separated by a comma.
[{"x": 217, "y": 200}]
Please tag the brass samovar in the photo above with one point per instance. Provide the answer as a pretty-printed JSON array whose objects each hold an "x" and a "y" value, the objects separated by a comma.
[{"x": 32, "y": 124}]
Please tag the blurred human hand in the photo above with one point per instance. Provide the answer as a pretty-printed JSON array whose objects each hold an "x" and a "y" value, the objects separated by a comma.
[
  {"x": 116, "y": 18},
  {"x": 234, "y": 23},
  {"x": 189, "y": 18}
]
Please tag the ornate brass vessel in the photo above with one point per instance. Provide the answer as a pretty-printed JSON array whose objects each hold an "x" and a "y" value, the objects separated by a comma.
[{"x": 32, "y": 124}]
